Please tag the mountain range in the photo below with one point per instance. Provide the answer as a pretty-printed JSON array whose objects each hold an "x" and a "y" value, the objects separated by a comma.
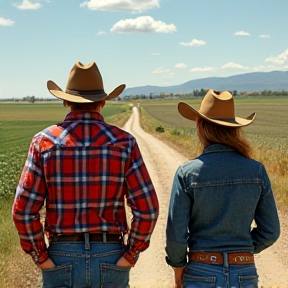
[{"x": 248, "y": 82}]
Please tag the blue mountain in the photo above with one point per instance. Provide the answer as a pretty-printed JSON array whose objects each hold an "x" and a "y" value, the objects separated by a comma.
[{"x": 248, "y": 82}]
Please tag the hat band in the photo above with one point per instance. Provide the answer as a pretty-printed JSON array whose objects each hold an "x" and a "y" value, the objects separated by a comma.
[
  {"x": 232, "y": 120},
  {"x": 83, "y": 92}
]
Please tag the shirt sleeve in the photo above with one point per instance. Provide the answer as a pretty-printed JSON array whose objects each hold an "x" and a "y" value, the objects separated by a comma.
[
  {"x": 142, "y": 200},
  {"x": 177, "y": 223},
  {"x": 29, "y": 199},
  {"x": 266, "y": 217}
]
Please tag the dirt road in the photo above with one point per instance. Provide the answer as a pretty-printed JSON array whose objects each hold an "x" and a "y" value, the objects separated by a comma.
[{"x": 151, "y": 269}]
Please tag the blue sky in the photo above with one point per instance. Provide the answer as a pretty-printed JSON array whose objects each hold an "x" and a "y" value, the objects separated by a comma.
[{"x": 137, "y": 42}]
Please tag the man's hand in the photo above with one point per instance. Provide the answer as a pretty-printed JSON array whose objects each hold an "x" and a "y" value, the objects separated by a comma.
[
  {"x": 48, "y": 264},
  {"x": 122, "y": 262}
]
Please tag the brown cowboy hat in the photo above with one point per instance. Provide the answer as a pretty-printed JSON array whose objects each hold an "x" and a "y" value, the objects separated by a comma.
[
  {"x": 218, "y": 108},
  {"x": 84, "y": 85}
]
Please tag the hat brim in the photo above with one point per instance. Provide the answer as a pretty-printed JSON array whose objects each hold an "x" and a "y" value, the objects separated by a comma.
[
  {"x": 56, "y": 91},
  {"x": 190, "y": 113}
]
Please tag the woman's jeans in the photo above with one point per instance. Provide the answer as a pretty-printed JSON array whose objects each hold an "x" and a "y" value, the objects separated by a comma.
[
  {"x": 91, "y": 265},
  {"x": 199, "y": 275}
]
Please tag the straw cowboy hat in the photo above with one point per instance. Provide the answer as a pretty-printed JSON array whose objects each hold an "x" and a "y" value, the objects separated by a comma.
[
  {"x": 84, "y": 85},
  {"x": 218, "y": 108}
]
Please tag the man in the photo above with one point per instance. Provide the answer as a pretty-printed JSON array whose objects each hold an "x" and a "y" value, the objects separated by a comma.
[{"x": 83, "y": 169}]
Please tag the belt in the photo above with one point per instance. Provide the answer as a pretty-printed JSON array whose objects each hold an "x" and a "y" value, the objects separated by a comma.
[
  {"x": 91, "y": 237},
  {"x": 217, "y": 258}
]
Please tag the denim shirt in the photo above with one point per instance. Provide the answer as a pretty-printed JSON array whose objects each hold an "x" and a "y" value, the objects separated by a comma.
[{"x": 214, "y": 200}]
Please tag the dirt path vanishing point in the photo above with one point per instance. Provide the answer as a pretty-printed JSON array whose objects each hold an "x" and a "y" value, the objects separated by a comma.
[{"x": 151, "y": 270}]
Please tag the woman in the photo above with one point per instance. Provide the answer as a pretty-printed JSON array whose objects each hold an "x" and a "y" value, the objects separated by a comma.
[{"x": 214, "y": 200}]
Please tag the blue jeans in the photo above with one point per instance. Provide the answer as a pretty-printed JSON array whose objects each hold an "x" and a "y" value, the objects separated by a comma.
[
  {"x": 79, "y": 265},
  {"x": 199, "y": 275}
]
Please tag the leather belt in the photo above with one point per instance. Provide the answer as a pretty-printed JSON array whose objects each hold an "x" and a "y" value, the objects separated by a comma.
[
  {"x": 93, "y": 237},
  {"x": 217, "y": 258}
]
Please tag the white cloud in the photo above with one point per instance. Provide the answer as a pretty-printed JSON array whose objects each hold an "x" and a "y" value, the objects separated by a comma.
[
  {"x": 143, "y": 24},
  {"x": 160, "y": 70},
  {"x": 6, "y": 22},
  {"x": 121, "y": 5},
  {"x": 232, "y": 65},
  {"x": 194, "y": 42},
  {"x": 180, "y": 65},
  {"x": 155, "y": 54},
  {"x": 281, "y": 59},
  {"x": 101, "y": 33},
  {"x": 264, "y": 36},
  {"x": 27, "y": 5},
  {"x": 206, "y": 69},
  {"x": 242, "y": 33}
]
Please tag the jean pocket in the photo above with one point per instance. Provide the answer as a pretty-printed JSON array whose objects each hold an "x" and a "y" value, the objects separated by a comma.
[
  {"x": 59, "y": 276},
  {"x": 248, "y": 281},
  {"x": 113, "y": 276},
  {"x": 190, "y": 281}
]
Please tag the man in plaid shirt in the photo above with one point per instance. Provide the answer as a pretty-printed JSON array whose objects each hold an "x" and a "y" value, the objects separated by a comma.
[{"x": 83, "y": 169}]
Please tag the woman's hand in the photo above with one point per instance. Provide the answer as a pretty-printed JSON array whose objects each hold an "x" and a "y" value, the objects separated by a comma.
[
  {"x": 122, "y": 262},
  {"x": 178, "y": 274},
  {"x": 48, "y": 264}
]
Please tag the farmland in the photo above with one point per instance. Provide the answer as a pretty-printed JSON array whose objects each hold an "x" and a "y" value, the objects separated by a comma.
[
  {"x": 18, "y": 124},
  {"x": 268, "y": 134}
]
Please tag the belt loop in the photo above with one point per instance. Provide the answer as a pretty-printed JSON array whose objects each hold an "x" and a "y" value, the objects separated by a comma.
[
  {"x": 104, "y": 237},
  {"x": 87, "y": 241}
]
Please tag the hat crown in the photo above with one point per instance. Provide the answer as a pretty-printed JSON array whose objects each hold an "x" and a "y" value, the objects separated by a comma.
[
  {"x": 218, "y": 105},
  {"x": 85, "y": 78}
]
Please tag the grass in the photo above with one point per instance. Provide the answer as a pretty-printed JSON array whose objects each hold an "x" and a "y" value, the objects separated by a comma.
[
  {"x": 268, "y": 134},
  {"x": 18, "y": 124}
]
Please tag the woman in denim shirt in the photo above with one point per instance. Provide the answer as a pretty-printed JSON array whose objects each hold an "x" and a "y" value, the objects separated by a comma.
[{"x": 214, "y": 200}]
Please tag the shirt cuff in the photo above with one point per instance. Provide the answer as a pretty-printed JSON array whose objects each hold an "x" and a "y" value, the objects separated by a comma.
[
  {"x": 131, "y": 256},
  {"x": 178, "y": 265}
]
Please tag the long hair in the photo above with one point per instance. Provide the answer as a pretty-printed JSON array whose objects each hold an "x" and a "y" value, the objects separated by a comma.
[{"x": 209, "y": 133}]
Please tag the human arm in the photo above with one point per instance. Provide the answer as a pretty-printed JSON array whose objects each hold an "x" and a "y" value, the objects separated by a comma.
[
  {"x": 177, "y": 227},
  {"x": 266, "y": 217},
  {"x": 142, "y": 200},
  {"x": 29, "y": 199}
]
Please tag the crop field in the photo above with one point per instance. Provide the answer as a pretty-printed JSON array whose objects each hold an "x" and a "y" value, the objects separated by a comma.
[
  {"x": 18, "y": 124},
  {"x": 268, "y": 133}
]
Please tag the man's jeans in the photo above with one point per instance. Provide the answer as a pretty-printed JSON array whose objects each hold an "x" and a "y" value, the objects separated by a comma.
[
  {"x": 92, "y": 266},
  {"x": 199, "y": 275}
]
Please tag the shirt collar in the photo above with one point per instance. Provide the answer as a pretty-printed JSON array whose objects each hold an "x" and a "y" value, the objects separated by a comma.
[
  {"x": 81, "y": 115},
  {"x": 218, "y": 148}
]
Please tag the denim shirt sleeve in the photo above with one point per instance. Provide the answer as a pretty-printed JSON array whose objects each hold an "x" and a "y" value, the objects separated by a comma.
[
  {"x": 266, "y": 217},
  {"x": 177, "y": 223}
]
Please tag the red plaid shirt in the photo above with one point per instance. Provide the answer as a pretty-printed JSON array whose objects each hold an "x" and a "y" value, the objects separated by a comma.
[{"x": 83, "y": 168}]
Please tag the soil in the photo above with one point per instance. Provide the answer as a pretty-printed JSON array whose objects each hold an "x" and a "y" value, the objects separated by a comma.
[{"x": 151, "y": 270}]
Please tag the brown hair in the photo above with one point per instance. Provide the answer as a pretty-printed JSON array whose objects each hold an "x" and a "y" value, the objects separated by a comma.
[
  {"x": 82, "y": 106},
  {"x": 209, "y": 133}
]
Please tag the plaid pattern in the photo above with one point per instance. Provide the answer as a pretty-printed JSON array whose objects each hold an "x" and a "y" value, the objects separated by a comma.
[{"x": 84, "y": 168}]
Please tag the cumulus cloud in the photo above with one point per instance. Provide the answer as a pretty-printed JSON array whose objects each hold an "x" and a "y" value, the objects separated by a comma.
[
  {"x": 197, "y": 69},
  {"x": 27, "y": 5},
  {"x": 121, "y": 5},
  {"x": 155, "y": 53},
  {"x": 101, "y": 33},
  {"x": 242, "y": 33},
  {"x": 143, "y": 24},
  {"x": 232, "y": 65},
  {"x": 180, "y": 65},
  {"x": 160, "y": 70},
  {"x": 194, "y": 42},
  {"x": 6, "y": 22},
  {"x": 263, "y": 36},
  {"x": 281, "y": 59}
]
